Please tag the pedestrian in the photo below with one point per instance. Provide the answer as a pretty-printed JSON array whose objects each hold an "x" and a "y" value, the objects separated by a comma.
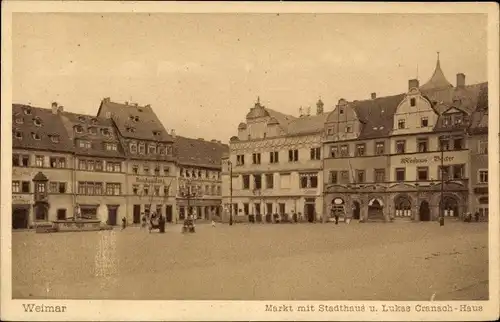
[
  {"x": 213, "y": 223},
  {"x": 336, "y": 218},
  {"x": 143, "y": 220},
  {"x": 124, "y": 223},
  {"x": 476, "y": 215}
]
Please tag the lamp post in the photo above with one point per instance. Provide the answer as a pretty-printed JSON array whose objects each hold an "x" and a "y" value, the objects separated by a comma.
[
  {"x": 441, "y": 204},
  {"x": 230, "y": 164},
  {"x": 188, "y": 193}
]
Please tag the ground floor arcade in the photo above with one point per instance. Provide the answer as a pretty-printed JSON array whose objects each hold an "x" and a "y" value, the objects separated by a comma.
[
  {"x": 202, "y": 209},
  {"x": 379, "y": 203}
]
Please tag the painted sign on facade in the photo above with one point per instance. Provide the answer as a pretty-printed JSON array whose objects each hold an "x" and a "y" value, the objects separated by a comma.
[{"x": 149, "y": 179}]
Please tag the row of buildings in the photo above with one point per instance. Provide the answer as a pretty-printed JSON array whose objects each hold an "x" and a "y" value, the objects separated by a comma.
[
  {"x": 412, "y": 156},
  {"x": 122, "y": 162}
]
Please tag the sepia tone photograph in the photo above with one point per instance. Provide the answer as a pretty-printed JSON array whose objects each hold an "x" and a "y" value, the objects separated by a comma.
[{"x": 251, "y": 157}]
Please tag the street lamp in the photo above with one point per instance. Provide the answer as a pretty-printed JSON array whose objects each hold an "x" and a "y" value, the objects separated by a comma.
[
  {"x": 230, "y": 166},
  {"x": 188, "y": 193},
  {"x": 441, "y": 204}
]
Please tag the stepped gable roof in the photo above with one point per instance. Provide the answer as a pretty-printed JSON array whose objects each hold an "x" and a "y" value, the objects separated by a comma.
[
  {"x": 50, "y": 129},
  {"x": 307, "y": 124},
  {"x": 438, "y": 80},
  {"x": 97, "y": 130},
  {"x": 377, "y": 115},
  {"x": 198, "y": 152},
  {"x": 135, "y": 122}
]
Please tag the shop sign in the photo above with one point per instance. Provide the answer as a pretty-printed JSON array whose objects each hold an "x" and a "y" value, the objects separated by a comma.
[
  {"x": 423, "y": 160},
  {"x": 149, "y": 180}
]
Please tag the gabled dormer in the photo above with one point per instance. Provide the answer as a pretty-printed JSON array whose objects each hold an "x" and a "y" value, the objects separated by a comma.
[
  {"x": 343, "y": 123},
  {"x": 415, "y": 113},
  {"x": 453, "y": 119}
]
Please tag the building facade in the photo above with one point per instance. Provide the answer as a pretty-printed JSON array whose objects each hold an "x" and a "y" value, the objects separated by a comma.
[
  {"x": 42, "y": 174},
  {"x": 199, "y": 182},
  {"x": 276, "y": 166},
  {"x": 150, "y": 183},
  {"x": 385, "y": 156}
]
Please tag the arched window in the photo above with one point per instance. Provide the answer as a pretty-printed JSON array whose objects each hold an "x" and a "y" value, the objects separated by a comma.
[
  {"x": 402, "y": 204},
  {"x": 338, "y": 207},
  {"x": 450, "y": 206}
]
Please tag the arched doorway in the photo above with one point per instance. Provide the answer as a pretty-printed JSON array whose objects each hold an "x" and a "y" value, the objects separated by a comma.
[
  {"x": 424, "y": 211},
  {"x": 356, "y": 210},
  {"x": 337, "y": 207},
  {"x": 402, "y": 206},
  {"x": 376, "y": 209},
  {"x": 449, "y": 206}
]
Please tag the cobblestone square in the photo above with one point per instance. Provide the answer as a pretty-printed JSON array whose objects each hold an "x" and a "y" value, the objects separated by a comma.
[{"x": 393, "y": 261}]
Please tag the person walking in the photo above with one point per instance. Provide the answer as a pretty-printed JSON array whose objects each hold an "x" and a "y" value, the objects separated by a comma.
[
  {"x": 124, "y": 223},
  {"x": 476, "y": 216}
]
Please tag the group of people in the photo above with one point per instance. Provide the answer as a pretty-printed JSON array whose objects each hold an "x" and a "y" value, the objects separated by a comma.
[{"x": 468, "y": 217}]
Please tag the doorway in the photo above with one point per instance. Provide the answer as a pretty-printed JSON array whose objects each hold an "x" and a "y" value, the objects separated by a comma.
[
  {"x": 310, "y": 209},
  {"x": 424, "y": 211},
  {"x": 112, "y": 215},
  {"x": 137, "y": 214},
  {"x": 168, "y": 213},
  {"x": 20, "y": 218},
  {"x": 356, "y": 212},
  {"x": 375, "y": 209},
  {"x": 449, "y": 205},
  {"x": 61, "y": 214}
]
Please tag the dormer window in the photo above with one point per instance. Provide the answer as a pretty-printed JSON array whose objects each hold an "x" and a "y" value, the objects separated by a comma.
[
  {"x": 446, "y": 120},
  {"x": 133, "y": 148},
  {"x": 81, "y": 119},
  {"x": 169, "y": 150},
  {"x": 35, "y": 136},
  {"x": 54, "y": 138},
  {"x": 84, "y": 144},
  {"x": 110, "y": 146},
  {"x": 27, "y": 111},
  {"x": 93, "y": 130},
  {"x": 130, "y": 129},
  {"x": 161, "y": 150},
  {"x": 37, "y": 121},
  {"x": 401, "y": 124},
  {"x": 458, "y": 119},
  {"x": 424, "y": 122},
  {"x": 105, "y": 132},
  {"x": 19, "y": 120},
  {"x": 413, "y": 102},
  {"x": 18, "y": 135},
  {"x": 142, "y": 148},
  {"x": 348, "y": 129},
  {"x": 156, "y": 133},
  {"x": 152, "y": 149},
  {"x": 341, "y": 110},
  {"x": 78, "y": 129}
]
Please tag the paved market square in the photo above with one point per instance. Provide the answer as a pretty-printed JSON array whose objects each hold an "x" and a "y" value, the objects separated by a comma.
[{"x": 360, "y": 261}]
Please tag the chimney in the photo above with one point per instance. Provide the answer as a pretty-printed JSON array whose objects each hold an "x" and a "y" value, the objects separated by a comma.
[
  {"x": 147, "y": 106},
  {"x": 201, "y": 139},
  {"x": 319, "y": 107},
  {"x": 460, "y": 80},
  {"x": 413, "y": 83},
  {"x": 374, "y": 96},
  {"x": 213, "y": 141},
  {"x": 220, "y": 142},
  {"x": 106, "y": 99},
  {"x": 126, "y": 103},
  {"x": 172, "y": 133},
  {"x": 60, "y": 108},
  {"x": 54, "y": 108}
]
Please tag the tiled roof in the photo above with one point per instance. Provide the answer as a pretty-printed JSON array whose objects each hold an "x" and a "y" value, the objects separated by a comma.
[
  {"x": 197, "y": 152},
  {"x": 141, "y": 120},
  {"x": 444, "y": 98},
  {"x": 377, "y": 115},
  {"x": 50, "y": 125},
  {"x": 93, "y": 130},
  {"x": 307, "y": 124},
  {"x": 479, "y": 122}
]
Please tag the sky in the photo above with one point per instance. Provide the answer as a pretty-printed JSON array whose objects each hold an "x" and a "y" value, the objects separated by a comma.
[{"x": 202, "y": 73}]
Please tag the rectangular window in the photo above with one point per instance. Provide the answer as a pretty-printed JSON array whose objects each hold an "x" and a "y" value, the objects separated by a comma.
[
  {"x": 257, "y": 180},
  {"x": 444, "y": 144},
  {"x": 240, "y": 159},
  {"x": 166, "y": 170},
  {"x": 379, "y": 175},
  {"x": 135, "y": 189},
  {"x": 422, "y": 145},
  {"x": 84, "y": 144},
  {"x": 26, "y": 186},
  {"x": 25, "y": 160},
  {"x": 56, "y": 162},
  {"x": 458, "y": 171},
  {"x": 401, "y": 124},
  {"x": 483, "y": 146},
  {"x": 82, "y": 164},
  {"x": 142, "y": 149},
  {"x": 379, "y": 148},
  {"x": 145, "y": 169},
  {"x": 483, "y": 176},
  {"x": 113, "y": 189},
  {"x": 315, "y": 153},
  {"x": 400, "y": 146},
  {"x": 15, "y": 160},
  {"x": 157, "y": 171},
  {"x": 39, "y": 161},
  {"x": 334, "y": 151},
  {"x": 333, "y": 177},
  {"x": 62, "y": 187},
  {"x": 135, "y": 169},
  {"x": 360, "y": 149},
  {"x": 90, "y": 165},
  {"x": 360, "y": 176},
  {"x": 293, "y": 155},
  {"x": 281, "y": 208},
  {"x": 269, "y": 181},
  {"x": 152, "y": 149},
  {"x": 422, "y": 173},
  {"x": 344, "y": 176},
  {"x": 16, "y": 186},
  {"x": 313, "y": 181},
  {"x": 156, "y": 191},
  {"x": 145, "y": 190},
  {"x": 446, "y": 120},
  {"x": 274, "y": 157},
  {"x": 81, "y": 188},
  {"x": 400, "y": 174},
  {"x": 269, "y": 208},
  {"x": 344, "y": 150},
  {"x": 246, "y": 208},
  {"x": 110, "y": 146},
  {"x": 424, "y": 122},
  {"x": 457, "y": 119},
  {"x": 246, "y": 181},
  {"x": 256, "y": 158},
  {"x": 53, "y": 187},
  {"x": 413, "y": 102},
  {"x": 458, "y": 143},
  {"x": 165, "y": 190}
]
